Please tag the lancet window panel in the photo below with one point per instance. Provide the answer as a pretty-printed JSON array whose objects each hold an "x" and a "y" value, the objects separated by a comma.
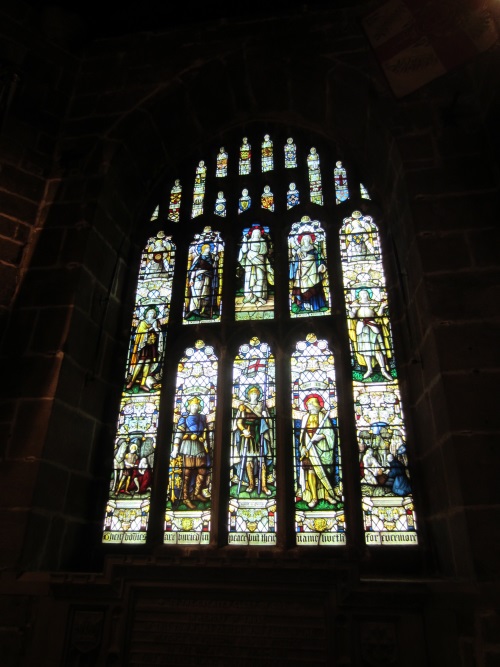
[
  {"x": 319, "y": 502},
  {"x": 174, "y": 206},
  {"x": 309, "y": 290},
  {"x": 252, "y": 518},
  {"x": 387, "y": 499},
  {"x": 255, "y": 294},
  {"x": 188, "y": 509},
  {"x": 203, "y": 292},
  {"x": 127, "y": 509},
  {"x": 267, "y": 154}
]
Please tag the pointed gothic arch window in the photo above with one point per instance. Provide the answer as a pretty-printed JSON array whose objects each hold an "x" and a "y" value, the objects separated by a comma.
[{"x": 293, "y": 286}]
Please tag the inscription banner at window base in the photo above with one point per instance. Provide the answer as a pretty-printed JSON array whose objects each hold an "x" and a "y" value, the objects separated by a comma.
[
  {"x": 244, "y": 539},
  {"x": 128, "y": 538},
  {"x": 186, "y": 538},
  {"x": 391, "y": 538},
  {"x": 319, "y": 539}
]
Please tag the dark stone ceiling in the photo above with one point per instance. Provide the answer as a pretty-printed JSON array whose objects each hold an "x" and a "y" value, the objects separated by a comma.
[{"x": 109, "y": 18}]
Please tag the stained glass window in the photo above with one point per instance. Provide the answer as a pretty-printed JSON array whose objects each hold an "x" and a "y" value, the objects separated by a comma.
[
  {"x": 199, "y": 189},
  {"x": 385, "y": 482},
  {"x": 221, "y": 168},
  {"x": 252, "y": 494},
  {"x": 204, "y": 278},
  {"x": 267, "y": 154},
  {"x": 267, "y": 198},
  {"x": 308, "y": 275},
  {"x": 319, "y": 503},
  {"x": 255, "y": 275},
  {"x": 315, "y": 186},
  {"x": 244, "y": 202},
  {"x": 341, "y": 188},
  {"x": 127, "y": 510},
  {"x": 290, "y": 154},
  {"x": 245, "y": 441},
  {"x": 245, "y": 157},
  {"x": 175, "y": 202},
  {"x": 188, "y": 512},
  {"x": 292, "y": 196},
  {"x": 220, "y": 205}
]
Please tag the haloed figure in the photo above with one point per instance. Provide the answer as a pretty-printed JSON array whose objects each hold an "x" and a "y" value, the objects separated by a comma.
[
  {"x": 307, "y": 272},
  {"x": 317, "y": 453}
]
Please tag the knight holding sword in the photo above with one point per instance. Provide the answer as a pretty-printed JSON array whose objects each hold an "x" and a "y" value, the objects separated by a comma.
[
  {"x": 317, "y": 453},
  {"x": 253, "y": 441}
]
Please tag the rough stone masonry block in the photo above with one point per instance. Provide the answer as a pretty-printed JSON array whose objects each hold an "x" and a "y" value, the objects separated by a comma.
[
  {"x": 70, "y": 437},
  {"x": 474, "y": 211},
  {"x": 36, "y": 376},
  {"x": 484, "y": 245},
  {"x": 468, "y": 345},
  {"x": 47, "y": 248},
  {"x": 472, "y": 400},
  {"x": 417, "y": 148},
  {"x": 29, "y": 429},
  {"x": 444, "y": 253},
  {"x": 11, "y": 252},
  {"x": 468, "y": 295},
  {"x": 49, "y": 287},
  {"x": 484, "y": 531},
  {"x": 473, "y": 452},
  {"x": 19, "y": 182},
  {"x": 490, "y": 626},
  {"x": 18, "y": 208}
]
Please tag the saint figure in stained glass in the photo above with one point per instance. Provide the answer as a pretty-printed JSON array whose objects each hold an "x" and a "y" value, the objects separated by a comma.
[
  {"x": 189, "y": 442},
  {"x": 292, "y": 196},
  {"x": 317, "y": 452},
  {"x": 203, "y": 287},
  {"x": 221, "y": 169},
  {"x": 315, "y": 185},
  {"x": 341, "y": 187},
  {"x": 267, "y": 198},
  {"x": 147, "y": 351},
  {"x": 255, "y": 274},
  {"x": 308, "y": 273},
  {"x": 188, "y": 513},
  {"x": 244, "y": 202},
  {"x": 369, "y": 332},
  {"x": 290, "y": 154},
  {"x": 252, "y": 442},
  {"x": 220, "y": 205},
  {"x": 318, "y": 488},
  {"x": 199, "y": 189},
  {"x": 127, "y": 510},
  {"x": 175, "y": 202},
  {"x": 267, "y": 154},
  {"x": 252, "y": 505},
  {"x": 245, "y": 157},
  {"x": 387, "y": 502}
]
